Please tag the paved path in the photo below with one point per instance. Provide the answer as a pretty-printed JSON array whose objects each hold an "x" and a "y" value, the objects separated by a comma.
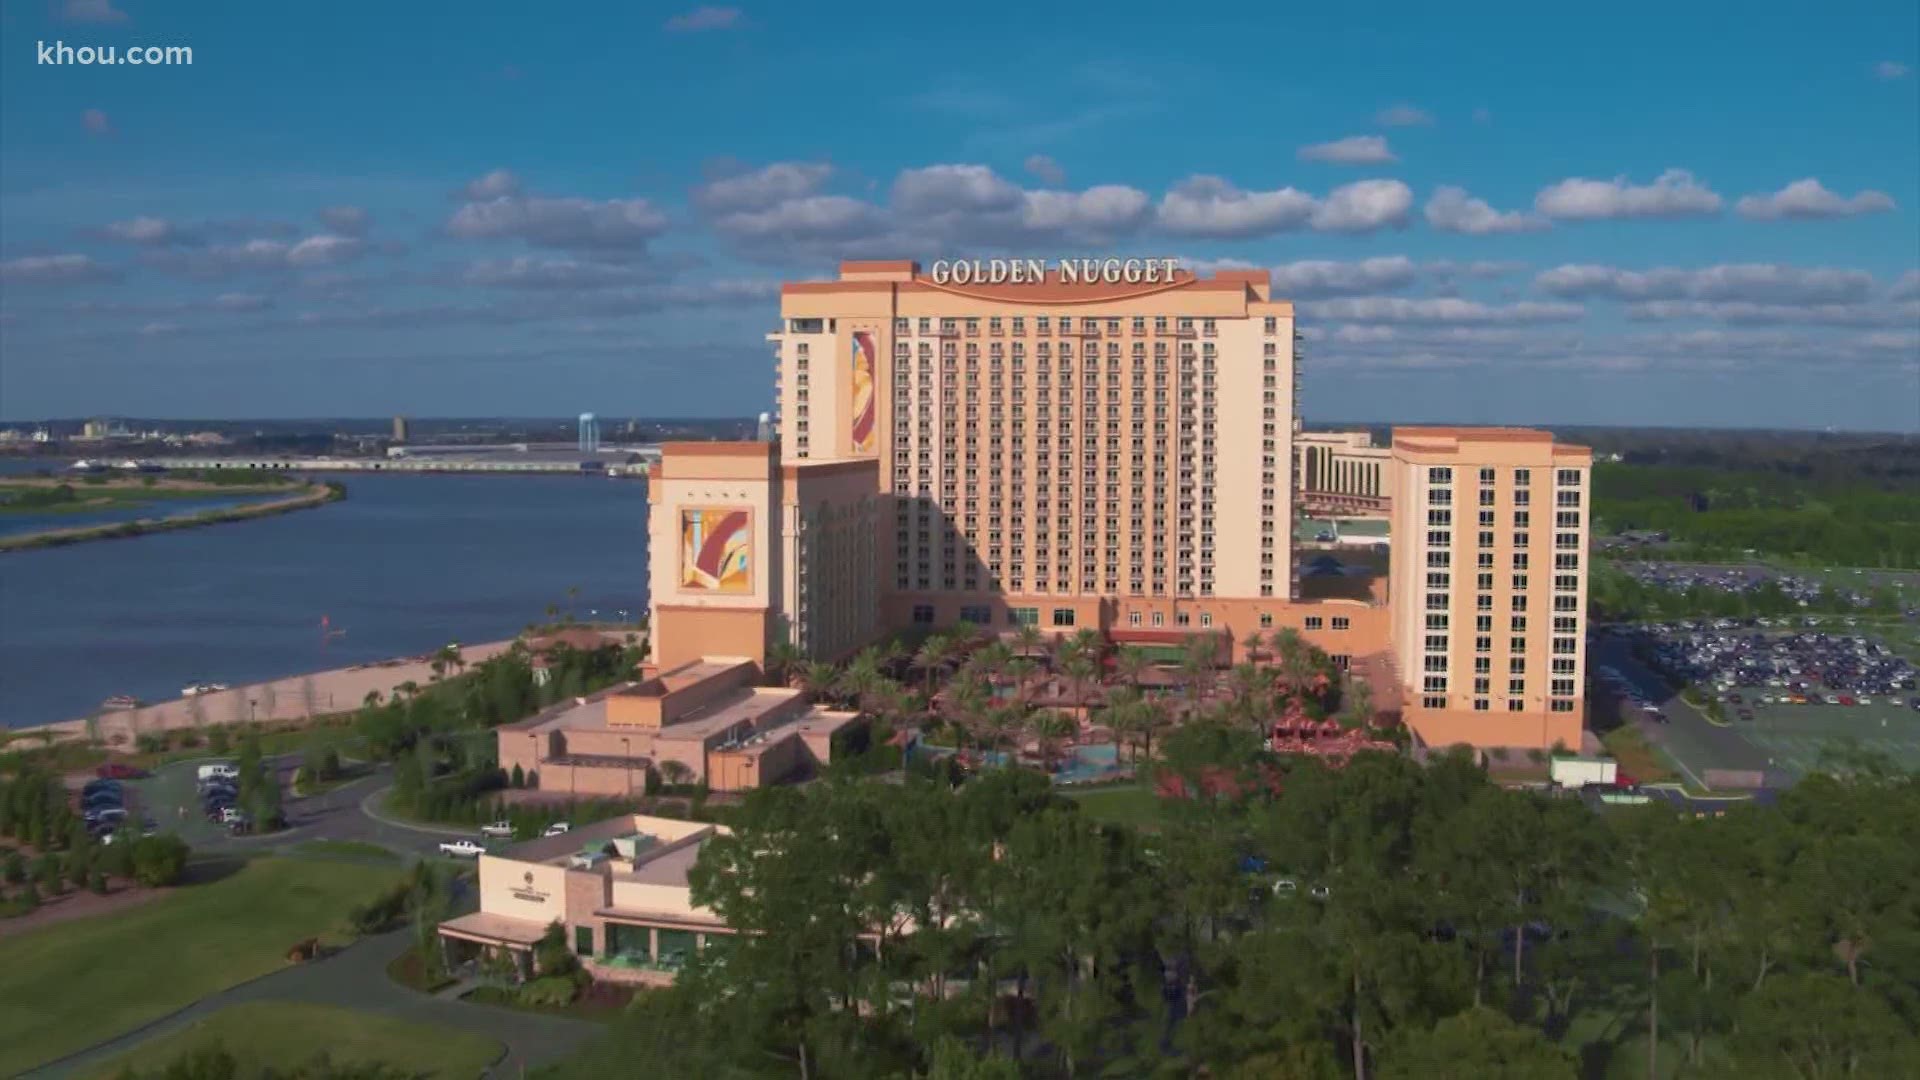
[{"x": 356, "y": 978}]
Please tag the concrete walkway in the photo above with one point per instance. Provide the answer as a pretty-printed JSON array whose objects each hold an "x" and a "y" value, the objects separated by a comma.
[{"x": 356, "y": 978}]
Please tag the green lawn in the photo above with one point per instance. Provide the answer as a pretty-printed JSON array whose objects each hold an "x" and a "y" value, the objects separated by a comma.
[
  {"x": 1128, "y": 805},
  {"x": 282, "y": 1035},
  {"x": 345, "y": 849},
  {"x": 75, "y": 983}
]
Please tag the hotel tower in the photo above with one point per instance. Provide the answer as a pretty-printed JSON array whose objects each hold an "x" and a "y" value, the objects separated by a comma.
[{"x": 1092, "y": 443}]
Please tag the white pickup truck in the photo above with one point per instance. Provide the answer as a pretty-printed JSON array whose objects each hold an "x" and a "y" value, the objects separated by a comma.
[
  {"x": 462, "y": 849},
  {"x": 502, "y": 830}
]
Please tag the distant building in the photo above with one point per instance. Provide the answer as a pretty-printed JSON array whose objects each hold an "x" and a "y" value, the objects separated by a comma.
[
  {"x": 399, "y": 429},
  {"x": 1340, "y": 473},
  {"x": 764, "y": 432},
  {"x": 589, "y": 433}
]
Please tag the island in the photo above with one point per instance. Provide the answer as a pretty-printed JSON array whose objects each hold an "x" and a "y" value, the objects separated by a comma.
[{"x": 51, "y": 495}]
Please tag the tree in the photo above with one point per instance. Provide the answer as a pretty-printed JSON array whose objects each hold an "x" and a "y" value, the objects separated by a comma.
[
  {"x": 1479, "y": 1044},
  {"x": 675, "y": 773},
  {"x": 935, "y": 654}
]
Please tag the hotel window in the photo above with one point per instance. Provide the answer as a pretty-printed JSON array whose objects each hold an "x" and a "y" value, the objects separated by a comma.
[
  {"x": 923, "y": 614},
  {"x": 993, "y": 325},
  {"x": 1565, "y": 519},
  {"x": 1520, "y": 560},
  {"x": 1517, "y": 666},
  {"x": 1566, "y": 561},
  {"x": 1566, "y": 646},
  {"x": 1133, "y": 618},
  {"x": 1436, "y": 643},
  {"x": 1486, "y": 476},
  {"x": 1024, "y": 616},
  {"x": 1483, "y": 581},
  {"x": 1521, "y": 477},
  {"x": 1481, "y": 705},
  {"x": 1440, "y": 496},
  {"x": 1483, "y": 623},
  {"x": 1436, "y": 622},
  {"x": 1437, "y": 601},
  {"x": 1483, "y": 686},
  {"x": 1266, "y": 619},
  {"x": 926, "y": 325},
  {"x": 1439, "y": 558},
  {"x": 1434, "y": 684},
  {"x": 1440, "y": 517},
  {"x": 1486, "y": 518},
  {"x": 976, "y": 614},
  {"x": 1063, "y": 616},
  {"x": 1517, "y": 625},
  {"x": 1562, "y": 687},
  {"x": 1340, "y": 622},
  {"x": 1206, "y": 620},
  {"x": 1562, "y": 666},
  {"x": 1517, "y": 645},
  {"x": 1569, "y": 478},
  {"x": 1270, "y": 325},
  {"x": 1486, "y": 497},
  {"x": 1439, "y": 581},
  {"x": 1482, "y": 665},
  {"x": 1433, "y": 703},
  {"x": 1485, "y": 561},
  {"x": 1562, "y": 705},
  {"x": 1181, "y": 618},
  {"x": 1566, "y": 582},
  {"x": 1567, "y": 541},
  {"x": 1483, "y": 644},
  {"x": 1522, "y": 519},
  {"x": 1159, "y": 618},
  {"x": 1040, "y": 325},
  {"x": 1439, "y": 539},
  {"x": 1566, "y": 603},
  {"x": 1516, "y": 705},
  {"x": 1435, "y": 663},
  {"x": 1313, "y": 622},
  {"x": 1439, "y": 475}
]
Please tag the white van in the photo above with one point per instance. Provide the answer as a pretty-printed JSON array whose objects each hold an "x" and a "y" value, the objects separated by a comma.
[{"x": 223, "y": 770}]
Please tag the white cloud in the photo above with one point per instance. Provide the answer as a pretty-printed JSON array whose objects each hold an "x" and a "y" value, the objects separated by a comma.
[
  {"x": 145, "y": 230},
  {"x": 1046, "y": 170},
  {"x": 705, "y": 18},
  {"x": 1747, "y": 312},
  {"x": 1765, "y": 283},
  {"x": 92, "y": 11},
  {"x": 1675, "y": 193},
  {"x": 1906, "y": 286},
  {"x": 763, "y": 187},
  {"x": 1403, "y": 116},
  {"x": 1451, "y": 209},
  {"x": 1208, "y": 206},
  {"x": 55, "y": 270},
  {"x": 1352, "y": 150},
  {"x": 558, "y": 222},
  {"x": 526, "y": 272},
  {"x": 96, "y": 122},
  {"x": 1321, "y": 278},
  {"x": 1808, "y": 198},
  {"x": 1889, "y": 70},
  {"x": 1441, "y": 310},
  {"x": 346, "y": 220},
  {"x": 497, "y": 184},
  {"x": 324, "y": 250},
  {"x": 234, "y": 301},
  {"x": 159, "y": 329},
  {"x": 1365, "y": 206}
]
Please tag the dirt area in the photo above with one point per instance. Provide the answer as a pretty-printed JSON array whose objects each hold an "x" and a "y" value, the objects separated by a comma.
[{"x": 79, "y": 905}]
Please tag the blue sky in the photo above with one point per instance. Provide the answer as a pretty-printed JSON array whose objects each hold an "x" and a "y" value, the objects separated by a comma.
[{"x": 1677, "y": 214}]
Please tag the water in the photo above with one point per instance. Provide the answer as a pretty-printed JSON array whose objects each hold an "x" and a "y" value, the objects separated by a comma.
[{"x": 403, "y": 565}]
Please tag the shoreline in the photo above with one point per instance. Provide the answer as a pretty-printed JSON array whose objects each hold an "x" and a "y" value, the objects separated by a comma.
[
  {"x": 313, "y": 495},
  {"x": 300, "y": 697}
]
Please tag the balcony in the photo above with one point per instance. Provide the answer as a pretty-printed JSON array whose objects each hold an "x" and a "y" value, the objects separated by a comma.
[{"x": 1178, "y": 332}]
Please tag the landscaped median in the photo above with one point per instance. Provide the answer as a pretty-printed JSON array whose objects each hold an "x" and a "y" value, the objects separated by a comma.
[
  {"x": 79, "y": 983},
  {"x": 283, "y": 1035}
]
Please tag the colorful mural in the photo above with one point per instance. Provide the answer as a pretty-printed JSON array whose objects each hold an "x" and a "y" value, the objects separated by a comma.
[
  {"x": 716, "y": 550},
  {"x": 865, "y": 397}
]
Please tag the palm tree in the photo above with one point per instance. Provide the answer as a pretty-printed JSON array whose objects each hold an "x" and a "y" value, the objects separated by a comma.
[
  {"x": 1359, "y": 703},
  {"x": 818, "y": 679},
  {"x": 1248, "y": 681},
  {"x": 372, "y": 699},
  {"x": 935, "y": 654},
  {"x": 1123, "y": 715},
  {"x": 1254, "y": 645},
  {"x": 1028, "y": 639},
  {"x": 782, "y": 659},
  {"x": 1020, "y": 669},
  {"x": 1153, "y": 719},
  {"x": 1130, "y": 663},
  {"x": 1080, "y": 670},
  {"x": 1288, "y": 646},
  {"x": 1049, "y": 729}
]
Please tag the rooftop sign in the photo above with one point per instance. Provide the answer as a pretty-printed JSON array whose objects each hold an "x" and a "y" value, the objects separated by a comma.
[{"x": 1070, "y": 271}]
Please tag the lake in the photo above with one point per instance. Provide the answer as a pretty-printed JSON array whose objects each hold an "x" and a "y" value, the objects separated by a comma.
[{"x": 403, "y": 565}]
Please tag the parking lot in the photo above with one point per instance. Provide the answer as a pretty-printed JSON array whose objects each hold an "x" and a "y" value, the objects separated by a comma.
[
  {"x": 1793, "y": 689},
  {"x": 1854, "y": 588}
]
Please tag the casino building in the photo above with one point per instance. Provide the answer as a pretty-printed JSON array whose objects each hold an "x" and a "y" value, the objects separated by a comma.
[{"x": 1110, "y": 444}]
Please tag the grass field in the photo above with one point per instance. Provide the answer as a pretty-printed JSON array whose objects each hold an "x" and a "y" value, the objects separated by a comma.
[
  {"x": 282, "y": 1035},
  {"x": 345, "y": 849},
  {"x": 1129, "y": 805},
  {"x": 75, "y": 983},
  {"x": 1637, "y": 757}
]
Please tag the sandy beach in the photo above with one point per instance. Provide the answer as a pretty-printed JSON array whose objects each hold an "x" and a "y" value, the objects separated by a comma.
[{"x": 297, "y": 697}]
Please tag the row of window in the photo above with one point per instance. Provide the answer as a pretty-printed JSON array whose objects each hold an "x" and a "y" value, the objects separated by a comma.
[
  {"x": 1042, "y": 324},
  {"x": 1442, "y": 474}
]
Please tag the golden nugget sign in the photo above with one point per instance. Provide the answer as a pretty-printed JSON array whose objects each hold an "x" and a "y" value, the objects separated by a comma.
[{"x": 1071, "y": 271}]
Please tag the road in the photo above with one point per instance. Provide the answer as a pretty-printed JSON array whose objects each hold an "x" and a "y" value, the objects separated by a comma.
[{"x": 1694, "y": 742}]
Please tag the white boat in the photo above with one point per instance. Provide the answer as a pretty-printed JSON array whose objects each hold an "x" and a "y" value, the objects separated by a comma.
[{"x": 199, "y": 688}]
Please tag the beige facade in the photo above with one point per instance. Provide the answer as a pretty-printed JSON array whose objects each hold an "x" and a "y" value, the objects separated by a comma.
[
  {"x": 1488, "y": 584},
  {"x": 1050, "y": 444},
  {"x": 618, "y": 889},
  {"x": 1340, "y": 472}
]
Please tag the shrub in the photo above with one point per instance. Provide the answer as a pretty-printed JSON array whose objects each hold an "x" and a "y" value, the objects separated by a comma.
[
  {"x": 218, "y": 741},
  {"x": 16, "y": 868},
  {"x": 552, "y": 991},
  {"x": 518, "y": 778},
  {"x": 97, "y": 881},
  {"x": 158, "y": 860}
]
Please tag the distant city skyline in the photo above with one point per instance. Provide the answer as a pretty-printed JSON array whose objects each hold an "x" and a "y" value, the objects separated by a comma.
[{"x": 1635, "y": 222}]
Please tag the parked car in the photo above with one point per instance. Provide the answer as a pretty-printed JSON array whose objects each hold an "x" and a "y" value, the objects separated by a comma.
[
  {"x": 110, "y": 817},
  {"x": 94, "y": 787},
  {"x": 558, "y": 828},
  {"x": 463, "y": 849},
  {"x": 499, "y": 829},
  {"x": 118, "y": 770},
  {"x": 219, "y": 769}
]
